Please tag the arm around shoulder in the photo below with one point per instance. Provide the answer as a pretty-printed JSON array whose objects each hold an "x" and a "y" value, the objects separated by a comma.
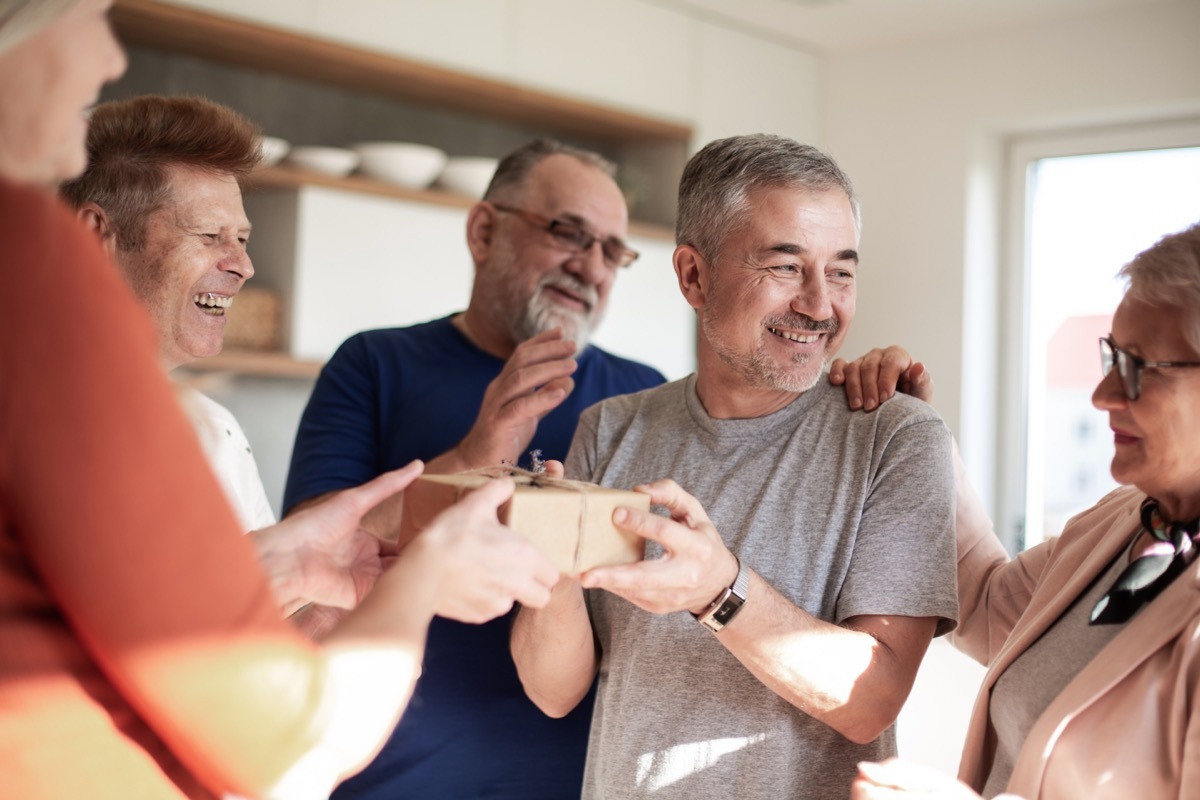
[{"x": 993, "y": 591}]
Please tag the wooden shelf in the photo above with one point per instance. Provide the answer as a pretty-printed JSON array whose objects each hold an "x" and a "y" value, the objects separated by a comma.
[
  {"x": 161, "y": 26},
  {"x": 259, "y": 363},
  {"x": 286, "y": 176}
]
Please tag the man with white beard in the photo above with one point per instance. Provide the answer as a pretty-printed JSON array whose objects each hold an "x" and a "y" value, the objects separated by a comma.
[{"x": 483, "y": 387}]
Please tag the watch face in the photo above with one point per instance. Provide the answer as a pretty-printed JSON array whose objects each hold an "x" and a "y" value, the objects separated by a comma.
[{"x": 728, "y": 609}]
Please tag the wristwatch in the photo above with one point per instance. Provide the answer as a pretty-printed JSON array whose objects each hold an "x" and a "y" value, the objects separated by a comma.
[{"x": 728, "y": 603}]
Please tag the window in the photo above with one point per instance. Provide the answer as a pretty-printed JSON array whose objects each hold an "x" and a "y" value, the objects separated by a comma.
[{"x": 1084, "y": 205}]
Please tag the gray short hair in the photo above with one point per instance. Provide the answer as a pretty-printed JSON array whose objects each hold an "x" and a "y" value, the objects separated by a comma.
[
  {"x": 716, "y": 183},
  {"x": 513, "y": 170},
  {"x": 1167, "y": 274},
  {"x": 20, "y": 19}
]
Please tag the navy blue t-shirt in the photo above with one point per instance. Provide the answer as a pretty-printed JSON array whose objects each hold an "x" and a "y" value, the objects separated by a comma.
[{"x": 385, "y": 398}]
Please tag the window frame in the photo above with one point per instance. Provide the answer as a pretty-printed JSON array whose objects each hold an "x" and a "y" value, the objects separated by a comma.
[{"x": 1018, "y": 482}]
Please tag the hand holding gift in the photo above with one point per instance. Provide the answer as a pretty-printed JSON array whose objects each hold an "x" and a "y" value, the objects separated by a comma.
[
  {"x": 484, "y": 566},
  {"x": 694, "y": 568}
]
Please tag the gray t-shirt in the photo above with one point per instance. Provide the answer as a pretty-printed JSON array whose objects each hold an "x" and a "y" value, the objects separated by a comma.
[{"x": 844, "y": 513}]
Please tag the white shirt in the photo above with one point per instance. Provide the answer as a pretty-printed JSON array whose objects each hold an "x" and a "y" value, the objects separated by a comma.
[{"x": 229, "y": 455}]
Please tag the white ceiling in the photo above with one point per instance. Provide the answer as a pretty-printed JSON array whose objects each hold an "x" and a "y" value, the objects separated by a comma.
[{"x": 830, "y": 26}]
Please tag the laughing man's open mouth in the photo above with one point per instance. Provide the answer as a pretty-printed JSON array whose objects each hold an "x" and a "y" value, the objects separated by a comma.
[{"x": 213, "y": 304}]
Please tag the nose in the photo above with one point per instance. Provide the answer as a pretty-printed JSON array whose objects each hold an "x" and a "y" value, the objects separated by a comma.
[
  {"x": 1109, "y": 394},
  {"x": 237, "y": 261},
  {"x": 117, "y": 61},
  {"x": 812, "y": 298},
  {"x": 589, "y": 265}
]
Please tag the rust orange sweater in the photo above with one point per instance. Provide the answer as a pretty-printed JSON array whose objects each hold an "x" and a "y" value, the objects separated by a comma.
[{"x": 141, "y": 652}]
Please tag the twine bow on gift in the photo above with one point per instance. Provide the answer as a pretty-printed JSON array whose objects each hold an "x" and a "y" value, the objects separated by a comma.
[
  {"x": 528, "y": 477},
  {"x": 1173, "y": 547}
]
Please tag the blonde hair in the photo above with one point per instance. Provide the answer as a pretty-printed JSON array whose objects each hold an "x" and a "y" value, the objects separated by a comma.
[{"x": 20, "y": 19}]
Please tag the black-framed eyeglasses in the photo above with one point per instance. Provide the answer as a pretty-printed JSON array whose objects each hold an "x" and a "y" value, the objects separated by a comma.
[
  {"x": 1129, "y": 367},
  {"x": 575, "y": 238}
]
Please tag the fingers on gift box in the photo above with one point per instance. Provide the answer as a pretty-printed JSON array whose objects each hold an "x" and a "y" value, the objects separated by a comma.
[{"x": 569, "y": 521}]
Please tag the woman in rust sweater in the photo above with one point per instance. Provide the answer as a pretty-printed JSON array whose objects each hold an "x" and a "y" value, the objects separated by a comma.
[{"x": 142, "y": 652}]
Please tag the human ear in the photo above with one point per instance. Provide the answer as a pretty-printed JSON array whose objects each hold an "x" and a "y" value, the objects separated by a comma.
[
  {"x": 481, "y": 230},
  {"x": 96, "y": 220},
  {"x": 694, "y": 274},
  {"x": 93, "y": 218}
]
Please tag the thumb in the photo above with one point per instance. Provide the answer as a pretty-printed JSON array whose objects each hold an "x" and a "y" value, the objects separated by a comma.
[{"x": 919, "y": 382}]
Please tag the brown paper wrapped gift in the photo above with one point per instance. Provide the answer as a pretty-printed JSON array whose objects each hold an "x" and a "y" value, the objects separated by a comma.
[{"x": 569, "y": 521}]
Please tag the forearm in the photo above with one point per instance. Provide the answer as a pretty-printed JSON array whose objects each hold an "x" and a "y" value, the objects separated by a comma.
[
  {"x": 454, "y": 461},
  {"x": 372, "y": 661},
  {"x": 555, "y": 651},
  {"x": 847, "y": 678},
  {"x": 992, "y": 591},
  {"x": 365, "y": 689},
  {"x": 476, "y": 452}
]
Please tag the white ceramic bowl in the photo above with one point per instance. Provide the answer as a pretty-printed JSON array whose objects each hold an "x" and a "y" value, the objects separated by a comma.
[
  {"x": 468, "y": 176},
  {"x": 334, "y": 161},
  {"x": 273, "y": 150},
  {"x": 413, "y": 166}
]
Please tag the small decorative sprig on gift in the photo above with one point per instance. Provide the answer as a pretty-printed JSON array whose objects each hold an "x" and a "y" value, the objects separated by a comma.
[{"x": 537, "y": 468}]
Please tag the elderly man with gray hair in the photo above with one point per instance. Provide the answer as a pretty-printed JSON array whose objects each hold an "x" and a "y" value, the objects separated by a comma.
[{"x": 813, "y": 546}]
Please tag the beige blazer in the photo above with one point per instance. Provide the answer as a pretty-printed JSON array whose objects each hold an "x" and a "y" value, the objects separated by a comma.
[{"x": 1128, "y": 725}]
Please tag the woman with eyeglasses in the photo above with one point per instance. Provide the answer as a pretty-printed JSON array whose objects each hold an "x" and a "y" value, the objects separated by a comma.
[{"x": 1091, "y": 639}]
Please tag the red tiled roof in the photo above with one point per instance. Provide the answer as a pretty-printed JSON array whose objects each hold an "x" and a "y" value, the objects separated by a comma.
[{"x": 1073, "y": 357}]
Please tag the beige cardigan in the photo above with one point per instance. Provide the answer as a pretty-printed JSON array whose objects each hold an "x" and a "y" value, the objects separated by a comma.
[{"x": 1128, "y": 725}]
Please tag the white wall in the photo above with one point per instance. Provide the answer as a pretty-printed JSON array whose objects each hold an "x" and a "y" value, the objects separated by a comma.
[
  {"x": 346, "y": 262},
  {"x": 921, "y": 130}
]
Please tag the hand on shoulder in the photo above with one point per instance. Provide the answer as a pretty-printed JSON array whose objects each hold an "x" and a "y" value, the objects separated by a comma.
[{"x": 872, "y": 378}]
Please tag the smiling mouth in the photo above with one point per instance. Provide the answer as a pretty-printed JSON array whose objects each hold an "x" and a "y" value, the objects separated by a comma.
[
  {"x": 212, "y": 304},
  {"x": 791, "y": 336},
  {"x": 1123, "y": 437}
]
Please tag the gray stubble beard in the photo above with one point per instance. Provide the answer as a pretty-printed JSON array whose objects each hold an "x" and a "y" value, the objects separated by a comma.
[{"x": 758, "y": 369}]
